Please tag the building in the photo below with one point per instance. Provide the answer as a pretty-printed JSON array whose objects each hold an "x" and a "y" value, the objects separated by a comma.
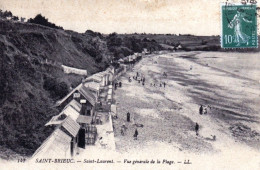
[
  {"x": 83, "y": 96},
  {"x": 110, "y": 72},
  {"x": 58, "y": 119},
  {"x": 76, "y": 105},
  {"x": 94, "y": 78},
  {"x": 58, "y": 144},
  {"x": 104, "y": 78},
  {"x": 92, "y": 86}
]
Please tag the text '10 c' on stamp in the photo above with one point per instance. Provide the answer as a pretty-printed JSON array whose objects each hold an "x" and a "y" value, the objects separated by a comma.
[{"x": 239, "y": 26}]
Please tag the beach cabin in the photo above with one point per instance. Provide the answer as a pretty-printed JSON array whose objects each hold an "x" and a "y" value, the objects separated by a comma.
[
  {"x": 106, "y": 76},
  {"x": 94, "y": 87},
  {"x": 58, "y": 144},
  {"x": 104, "y": 79},
  {"x": 62, "y": 142},
  {"x": 110, "y": 72},
  {"x": 83, "y": 96},
  {"x": 109, "y": 99},
  {"x": 94, "y": 78},
  {"x": 71, "y": 128},
  {"x": 113, "y": 110},
  {"x": 68, "y": 111},
  {"x": 75, "y": 105}
]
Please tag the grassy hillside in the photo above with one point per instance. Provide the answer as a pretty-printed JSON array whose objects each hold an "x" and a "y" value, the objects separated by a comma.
[{"x": 188, "y": 42}]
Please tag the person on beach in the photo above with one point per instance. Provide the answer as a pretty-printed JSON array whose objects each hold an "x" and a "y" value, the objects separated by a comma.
[
  {"x": 164, "y": 74},
  {"x": 164, "y": 84},
  {"x": 135, "y": 134},
  {"x": 128, "y": 117},
  {"x": 201, "y": 109},
  {"x": 120, "y": 84},
  {"x": 197, "y": 129},
  {"x": 122, "y": 132},
  {"x": 123, "y": 129},
  {"x": 205, "y": 111}
]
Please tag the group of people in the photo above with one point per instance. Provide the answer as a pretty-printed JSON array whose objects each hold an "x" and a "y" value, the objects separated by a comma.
[
  {"x": 118, "y": 84},
  {"x": 139, "y": 78},
  {"x": 162, "y": 84},
  {"x": 203, "y": 110},
  {"x": 124, "y": 128},
  {"x": 164, "y": 74}
]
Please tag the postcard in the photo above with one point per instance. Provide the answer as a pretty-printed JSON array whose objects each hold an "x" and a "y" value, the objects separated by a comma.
[{"x": 129, "y": 84}]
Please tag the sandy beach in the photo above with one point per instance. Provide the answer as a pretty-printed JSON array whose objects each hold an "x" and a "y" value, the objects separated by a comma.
[{"x": 168, "y": 115}]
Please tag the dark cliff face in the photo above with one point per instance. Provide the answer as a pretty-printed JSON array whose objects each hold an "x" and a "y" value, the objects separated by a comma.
[{"x": 32, "y": 79}]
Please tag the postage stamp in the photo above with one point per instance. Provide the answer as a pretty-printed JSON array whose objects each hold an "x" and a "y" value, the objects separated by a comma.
[{"x": 239, "y": 26}]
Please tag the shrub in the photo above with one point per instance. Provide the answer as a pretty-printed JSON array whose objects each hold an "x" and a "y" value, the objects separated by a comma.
[
  {"x": 56, "y": 89},
  {"x": 41, "y": 20}
]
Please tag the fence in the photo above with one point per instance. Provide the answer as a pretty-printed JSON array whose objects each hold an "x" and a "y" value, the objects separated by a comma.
[{"x": 91, "y": 134}]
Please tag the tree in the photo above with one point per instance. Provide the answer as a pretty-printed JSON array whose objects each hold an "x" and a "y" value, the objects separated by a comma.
[
  {"x": 41, "y": 20},
  {"x": 5, "y": 14},
  {"x": 15, "y": 18}
]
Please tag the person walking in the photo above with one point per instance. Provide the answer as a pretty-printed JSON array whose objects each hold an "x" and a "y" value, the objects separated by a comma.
[
  {"x": 128, "y": 117},
  {"x": 115, "y": 85},
  {"x": 201, "y": 109},
  {"x": 164, "y": 84},
  {"x": 197, "y": 129},
  {"x": 135, "y": 134},
  {"x": 123, "y": 129},
  {"x": 205, "y": 111},
  {"x": 122, "y": 132}
]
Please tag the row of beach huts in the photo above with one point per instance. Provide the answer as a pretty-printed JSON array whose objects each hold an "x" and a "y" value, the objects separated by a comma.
[{"x": 86, "y": 107}]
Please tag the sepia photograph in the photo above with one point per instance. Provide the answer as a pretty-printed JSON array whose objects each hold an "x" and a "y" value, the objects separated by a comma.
[{"x": 129, "y": 84}]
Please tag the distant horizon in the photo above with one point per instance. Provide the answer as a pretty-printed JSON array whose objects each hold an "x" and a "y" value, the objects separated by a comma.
[{"x": 196, "y": 17}]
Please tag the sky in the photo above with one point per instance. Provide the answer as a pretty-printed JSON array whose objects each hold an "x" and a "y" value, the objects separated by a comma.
[{"x": 198, "y": 17}]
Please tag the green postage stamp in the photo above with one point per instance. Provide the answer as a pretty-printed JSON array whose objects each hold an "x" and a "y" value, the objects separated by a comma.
[{"x": 239, "y": 26}]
